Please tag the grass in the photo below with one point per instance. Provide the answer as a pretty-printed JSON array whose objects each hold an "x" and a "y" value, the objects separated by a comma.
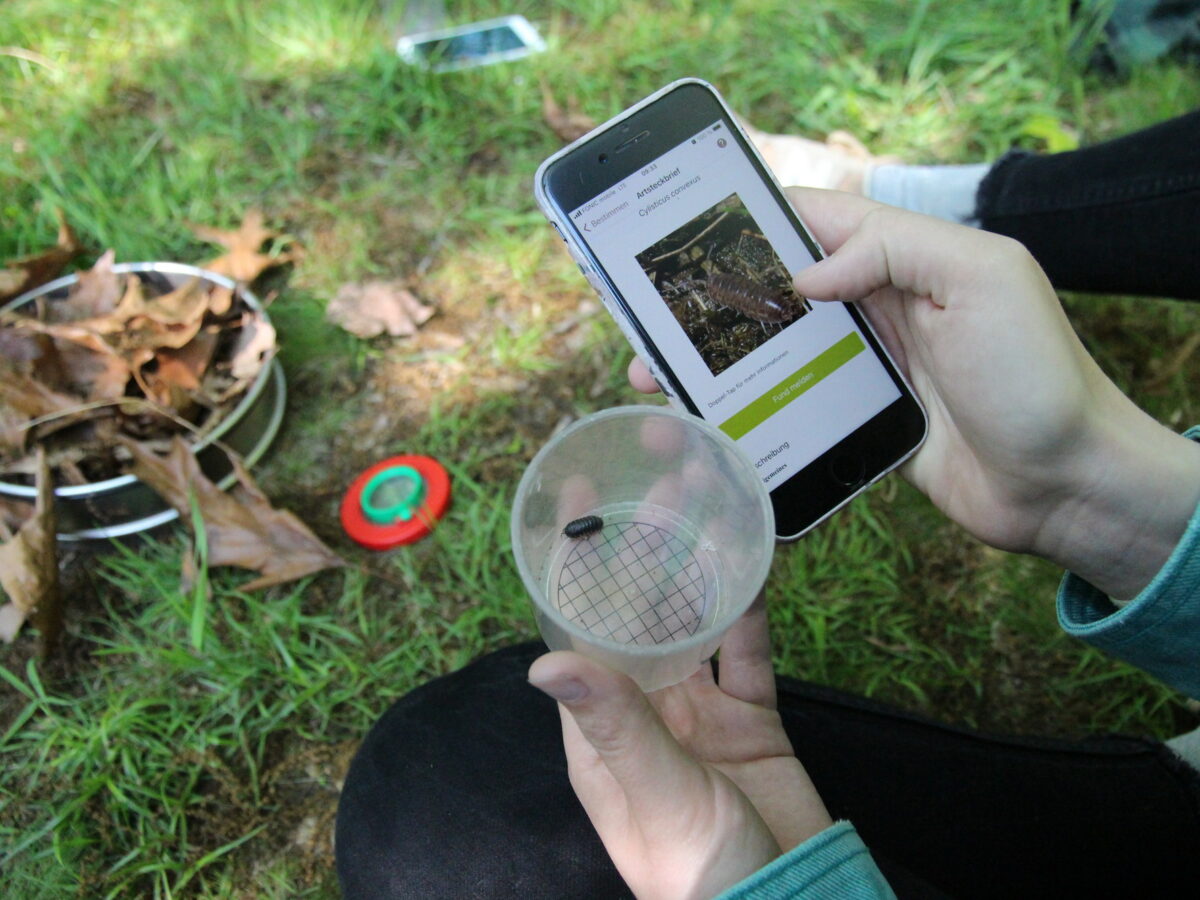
[{"x": 189, "y": 744}]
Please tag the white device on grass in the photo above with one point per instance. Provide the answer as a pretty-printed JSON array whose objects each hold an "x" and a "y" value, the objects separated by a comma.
[{"x": 477, "y": 44}]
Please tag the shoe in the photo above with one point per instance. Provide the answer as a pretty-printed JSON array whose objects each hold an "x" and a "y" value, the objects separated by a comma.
[{"x": 838, "y": 163}]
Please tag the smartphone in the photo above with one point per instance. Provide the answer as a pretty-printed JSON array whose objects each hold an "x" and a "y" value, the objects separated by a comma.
[
  {"x": 690, "y": 242},
  {"x": 477, "y": 44}
]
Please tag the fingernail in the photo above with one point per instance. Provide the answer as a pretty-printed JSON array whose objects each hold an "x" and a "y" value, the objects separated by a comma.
[{"x": 564, "y": 689}]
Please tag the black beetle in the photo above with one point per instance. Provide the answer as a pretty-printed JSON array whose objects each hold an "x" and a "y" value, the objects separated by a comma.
[{"x": 583, "y": 526}]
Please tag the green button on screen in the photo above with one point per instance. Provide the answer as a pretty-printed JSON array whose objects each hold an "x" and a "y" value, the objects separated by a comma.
[{"x": 793, "y": 386}]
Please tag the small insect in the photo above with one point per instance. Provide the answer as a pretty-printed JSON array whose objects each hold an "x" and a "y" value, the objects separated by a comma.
[
  {"x": 583, "y": 526},
  {"x": 750, "y": 299}
]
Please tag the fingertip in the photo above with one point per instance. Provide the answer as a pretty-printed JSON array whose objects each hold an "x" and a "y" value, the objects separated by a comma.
[
  {"x": 640, "y": 377},
  {"x": 572, "y": 678},
  {"x": 558, "y": 674},
  {"x": 819, "y": 282},
  {"x": 831, "y": 216},
  {"x": 805, "y": 280}
]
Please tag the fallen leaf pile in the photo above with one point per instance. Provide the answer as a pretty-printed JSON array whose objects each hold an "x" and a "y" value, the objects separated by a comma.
[
  {"x": 121, "y": 355},
  {"x": 104, "y": 377}
]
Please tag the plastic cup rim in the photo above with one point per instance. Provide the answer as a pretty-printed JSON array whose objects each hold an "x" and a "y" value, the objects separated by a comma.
[{"x": 703, "y": 635}]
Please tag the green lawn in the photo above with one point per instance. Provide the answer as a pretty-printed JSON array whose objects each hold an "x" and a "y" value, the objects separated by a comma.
[{"x": 135, "y": 764}]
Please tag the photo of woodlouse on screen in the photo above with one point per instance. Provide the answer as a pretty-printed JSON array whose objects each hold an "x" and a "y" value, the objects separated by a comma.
[{"x": 723, "y": 282}]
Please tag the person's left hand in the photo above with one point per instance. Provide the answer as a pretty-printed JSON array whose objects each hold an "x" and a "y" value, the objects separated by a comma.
[{"x": 691, "y": 788}]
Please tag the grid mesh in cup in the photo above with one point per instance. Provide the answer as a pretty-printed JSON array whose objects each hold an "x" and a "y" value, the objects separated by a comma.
[{"x": 632, "y": 582}]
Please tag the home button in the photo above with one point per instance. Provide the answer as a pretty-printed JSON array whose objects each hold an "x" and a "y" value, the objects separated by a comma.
[{"x": 847, "y": 469}]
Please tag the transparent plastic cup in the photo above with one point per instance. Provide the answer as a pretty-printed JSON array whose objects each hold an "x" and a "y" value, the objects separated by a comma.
[{"x": 679, "y": 546}]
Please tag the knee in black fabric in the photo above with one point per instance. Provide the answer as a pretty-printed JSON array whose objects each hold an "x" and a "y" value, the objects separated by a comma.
[
  {"x": 990, "y": 816},
  {"x": 460, "y": 790}
]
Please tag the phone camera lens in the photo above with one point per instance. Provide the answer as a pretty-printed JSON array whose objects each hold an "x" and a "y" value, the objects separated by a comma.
[{"x": 603, "y": 158}]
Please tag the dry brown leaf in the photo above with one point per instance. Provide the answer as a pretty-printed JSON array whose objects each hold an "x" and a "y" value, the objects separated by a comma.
[
  {"x": 251, "y": 233},
  {"x": 84, "y": 365},
  {"x": 143, "y": 335},
  {"x": 21, "y": 347},
  {"x": 220, "y": 301},
  {"x": 67, "y": 331},
  {"x": 11, "y": 283},
  {"x": 66, "y": 358},
  {"x": 13, "y": 514},
  {"x": 175, "y": 380},
  {"x": 255, "y": 347},
  {"x": 130, "y": 302},
  {"x": 136, "y": 327},
  {"x": 27, "y": 273},
  {"x": 22, "y": 399},
  {"x": 13, "y": 433},
  {"x": 88, "y": 331},
  {"x": 371, "y": 308},
  {"x": 569, "y": 124},
  {"x": 29, "y": 569},
  {"x": 186, "y": 304},
  {"x": 184, "y": 366},
  {"x": 95, "y": 375},
  {"x": 245, "y": 260},
  {"x": 95, "y": 294},
  {"x": 242, "y": 528}
]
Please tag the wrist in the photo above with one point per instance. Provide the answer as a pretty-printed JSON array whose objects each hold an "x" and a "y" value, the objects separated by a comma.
[{"x": 1135, "y": 486}]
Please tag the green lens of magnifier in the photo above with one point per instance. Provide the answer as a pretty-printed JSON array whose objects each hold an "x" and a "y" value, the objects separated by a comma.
[{"x": 393, "y": 495}]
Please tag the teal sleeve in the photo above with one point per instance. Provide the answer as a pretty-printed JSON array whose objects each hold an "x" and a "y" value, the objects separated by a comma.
[
  {"x": 1158, "y": 630},
  {"x": 832, "y": 865}
]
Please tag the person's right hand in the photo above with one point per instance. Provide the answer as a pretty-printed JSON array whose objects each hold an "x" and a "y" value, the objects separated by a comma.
[
  {"x": 691, "y": 788},
  {"x": 1030, "y": 447}
]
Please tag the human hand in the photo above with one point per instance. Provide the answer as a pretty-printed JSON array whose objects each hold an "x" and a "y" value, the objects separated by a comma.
[
  {"x": 1030, "y": 446},
  {"x": 691, "y": 788}
]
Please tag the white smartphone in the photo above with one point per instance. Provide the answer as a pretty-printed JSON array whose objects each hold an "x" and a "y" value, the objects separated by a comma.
[
  {"x": 682, "y": 230},
  {"x": 476, "y": 44}
]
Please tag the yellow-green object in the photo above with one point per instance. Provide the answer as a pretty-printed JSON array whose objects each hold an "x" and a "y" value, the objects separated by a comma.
[{"x": 793, "y": 386}]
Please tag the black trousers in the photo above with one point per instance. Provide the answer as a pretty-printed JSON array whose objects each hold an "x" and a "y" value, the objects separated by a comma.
[
  {"x": 460, "y": 791},
  {"x": 1121, "y": 217}
]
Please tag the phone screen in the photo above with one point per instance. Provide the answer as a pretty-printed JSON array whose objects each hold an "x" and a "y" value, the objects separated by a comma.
[
  {"x": 700, "y": 250},
  {"x": 474, "y": 45}
]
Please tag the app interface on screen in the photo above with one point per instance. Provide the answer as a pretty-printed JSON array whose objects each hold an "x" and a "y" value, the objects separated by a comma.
[{"x": 702, "y": 253}]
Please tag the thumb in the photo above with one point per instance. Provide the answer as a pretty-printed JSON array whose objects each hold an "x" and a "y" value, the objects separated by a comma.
[
  {"x": 895, "y": 248},
  {"x": 858, "y": 268},
  {"x": 610, "y": 720}
]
